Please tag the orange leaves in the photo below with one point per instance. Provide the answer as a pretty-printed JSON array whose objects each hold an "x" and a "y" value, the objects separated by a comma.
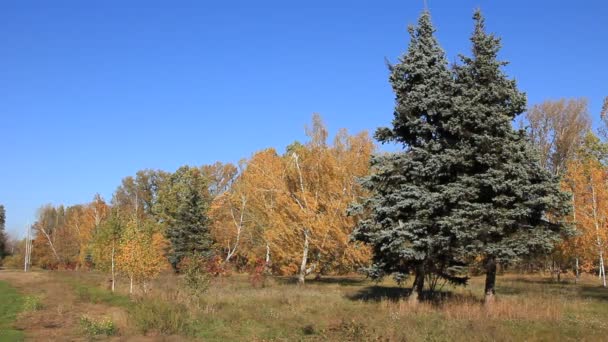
[
  {"x": 140, "y": 254},
  {"x": 587, "y": 179},
  {"x": 301, "y": 195}
]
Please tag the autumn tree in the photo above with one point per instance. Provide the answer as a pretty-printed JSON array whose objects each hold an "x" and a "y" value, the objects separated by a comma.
[
  {"x": 254, "y": 197},
  {"x": 106, "y": 243},
  {"x": 55, "y": 246},
  {"x": 141, "y": 254},
  {"x": 587, "y": 180},
  {"x": 139, "y": 194},
  {"x": 220, "y": 177},
  {"x": 299, "y": 202},
  {"x": 230, "y": 212},
  {"x": 557, "y": 129}
]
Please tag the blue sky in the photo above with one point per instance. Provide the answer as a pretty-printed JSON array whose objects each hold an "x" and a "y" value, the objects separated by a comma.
[{"x": 91, "y": 92}]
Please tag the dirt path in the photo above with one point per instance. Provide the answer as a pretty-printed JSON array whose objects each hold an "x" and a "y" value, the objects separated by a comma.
[{"x": 58, "y": 319}]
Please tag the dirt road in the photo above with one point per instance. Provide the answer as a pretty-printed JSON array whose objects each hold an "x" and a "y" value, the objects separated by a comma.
[{"x": 61, "y": 310}]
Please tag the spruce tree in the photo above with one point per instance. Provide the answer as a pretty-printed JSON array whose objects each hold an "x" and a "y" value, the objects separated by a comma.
[
  {"x": 183, "y": 204},
  {"x": 404, "y": 225},
  {"x": 503, "y": 197}
]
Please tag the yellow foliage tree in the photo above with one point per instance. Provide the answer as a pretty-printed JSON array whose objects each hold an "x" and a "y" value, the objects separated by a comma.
[
  {"x": 587, "y": 179},
  {"x": 293, "y": 207},
  {"x": 141, "y": 256}
]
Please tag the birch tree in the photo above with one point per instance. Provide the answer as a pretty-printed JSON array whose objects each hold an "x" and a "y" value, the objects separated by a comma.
[
  {"x": 106, "y": 244},
  {"x": 587, "y": 179}
]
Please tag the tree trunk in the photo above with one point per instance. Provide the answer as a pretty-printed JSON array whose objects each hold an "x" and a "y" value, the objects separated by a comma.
[
  {"x": 576, "y": 265},
  {"x": 602, "y": 269},
  {"x": 239, "y": 227},
  {"x": 131, "y": 285},
  {"x": 576, "y": 270},
  {"x": 600, "y": 245},
  {"x": 417, "y": 287},
  {"x": 51, "y": 245},
  {"x": 490, "y": 290},
  {"x": 267, "y": 255},
  {"x": 113, "y": 273},
  {"x": 302, "y": 275}
]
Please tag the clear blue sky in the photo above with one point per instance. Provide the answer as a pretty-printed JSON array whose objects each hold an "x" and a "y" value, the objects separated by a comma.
[{"x": 92, "y": 91}]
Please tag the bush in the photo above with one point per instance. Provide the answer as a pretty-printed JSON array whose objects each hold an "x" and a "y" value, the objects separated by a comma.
[
  {"x": 257, "y": 275},
  {"x": 94, "y": 328},
  {"x": 196, "y": 279},
  {"x": 13, "y": 261}
]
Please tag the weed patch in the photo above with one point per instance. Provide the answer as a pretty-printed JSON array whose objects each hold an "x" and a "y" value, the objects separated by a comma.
[
  {"x": 93, "y": 327},
  {"x": 32, "y": 303}
]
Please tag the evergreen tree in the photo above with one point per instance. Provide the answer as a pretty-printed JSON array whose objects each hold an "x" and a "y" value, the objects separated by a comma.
[
  {"x": 182, "y": 204},
  {"x": 405, "y": 226},
  {"x": 3, "y": 237},
  {"x": 503, "y": 197}
]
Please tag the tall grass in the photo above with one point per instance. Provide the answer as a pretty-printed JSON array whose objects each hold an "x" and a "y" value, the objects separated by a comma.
[
  {"x": 161, "y": 317},
  {"x": 353, "y": 309}
]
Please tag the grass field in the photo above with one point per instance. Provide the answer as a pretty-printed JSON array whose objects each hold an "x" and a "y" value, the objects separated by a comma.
[
  {"x": 528, "y": 308},
  {"x": 11, "y": 303}
]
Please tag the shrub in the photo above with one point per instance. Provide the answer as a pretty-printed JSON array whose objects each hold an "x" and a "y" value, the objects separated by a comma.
[
  {"x": 196, "y": 279},
  {"x": 257, "y": 275},
  {"x": 13, "y": 261},
  {"x": 94, "y": 328}
]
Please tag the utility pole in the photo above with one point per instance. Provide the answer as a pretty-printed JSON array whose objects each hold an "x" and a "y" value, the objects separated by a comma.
[
  {"x": 28, "y": 249},
  {"x": 27, "y": 238}
]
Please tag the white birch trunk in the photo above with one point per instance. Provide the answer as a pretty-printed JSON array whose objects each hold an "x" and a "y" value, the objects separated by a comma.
[
  {"x": 51, "y": 244},
  {"x": 576, "y": 263},
  {"x": 267, "y": 255},
  {"x": 113, "y": 273},
  {"x": 302, "y": 275},
  {"x": 239, "y": 228},
  {"x": 602, "y": 269},
  {"x": 600, "y": 246},
  {"x": 576, "y": 270}
]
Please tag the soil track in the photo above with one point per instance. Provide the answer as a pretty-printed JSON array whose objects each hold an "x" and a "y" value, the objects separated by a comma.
[{"x": 58, "y": 319}]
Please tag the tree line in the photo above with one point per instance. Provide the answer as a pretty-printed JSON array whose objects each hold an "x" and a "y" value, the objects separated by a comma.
[
  {"x": 467, "y": 190},
  {"x": 285, "y": 210}
]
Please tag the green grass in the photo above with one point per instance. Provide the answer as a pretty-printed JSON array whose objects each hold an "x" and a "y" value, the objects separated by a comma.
[
  {"x": 11, "y": 303},
  {"x": 91, "y": 293}
]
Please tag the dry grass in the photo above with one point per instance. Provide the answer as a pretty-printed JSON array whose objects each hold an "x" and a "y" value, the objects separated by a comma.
[{"x": 354, "y": 309}]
